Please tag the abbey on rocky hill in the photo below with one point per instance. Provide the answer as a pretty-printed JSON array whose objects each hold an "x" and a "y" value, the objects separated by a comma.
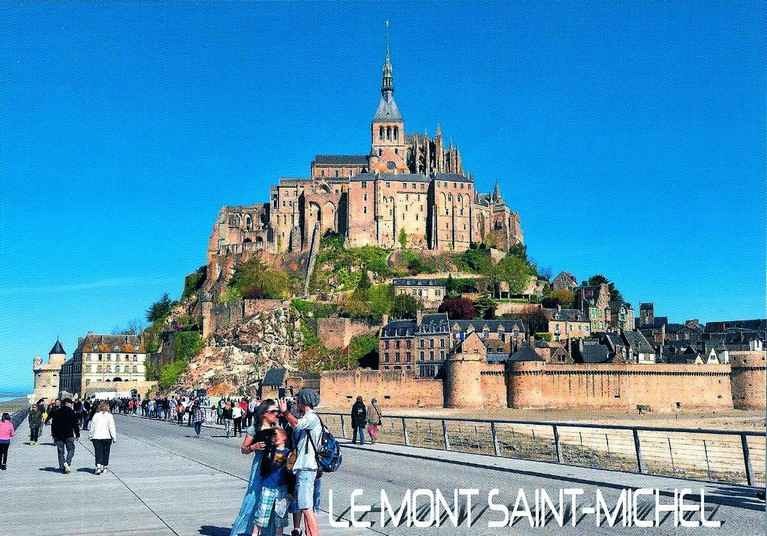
[{"x": 409, "y": 188}]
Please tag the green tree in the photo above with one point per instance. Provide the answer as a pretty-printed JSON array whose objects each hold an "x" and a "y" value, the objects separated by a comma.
[
  {"x": 194, "y": 281},
  {"x": 380, "y": 300},
  {"x": 452, "y": 287},
  {"x": 599, "y": 279},
  {"x": 485, "y": 307},
  {"x": 159, "y": 309},
  {"x": 514, "y": 270},
  {"x": 562, "y": 296},
  {"x": 405, "y": 306},
  {"x": 402, "y": 239},
  {"x": 364, "y": 282}
]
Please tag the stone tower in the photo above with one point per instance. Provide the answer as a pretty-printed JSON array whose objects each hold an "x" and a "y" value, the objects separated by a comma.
[
  {"x": 463, "y": 374},
  {"x": 388, "y": 148},
  {"x": 646, "y": 315},
  {"x": 48, "y": 375},
  {"x": 748, "y": 373},
  {"x": 57, "y": 355}
]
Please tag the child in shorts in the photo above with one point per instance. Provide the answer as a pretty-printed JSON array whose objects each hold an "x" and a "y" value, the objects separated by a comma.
[{"x": 273, "y": 504}]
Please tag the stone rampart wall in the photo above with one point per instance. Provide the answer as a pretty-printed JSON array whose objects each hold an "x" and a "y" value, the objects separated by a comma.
[
  {"x": 615, "y": 386},
  {"x": 392, "y": 388}
]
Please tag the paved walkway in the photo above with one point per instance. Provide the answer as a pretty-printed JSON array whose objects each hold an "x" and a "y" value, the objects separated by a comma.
[
  {"x": 149, "y": 491},
  {"x": 166, "y": 482}
]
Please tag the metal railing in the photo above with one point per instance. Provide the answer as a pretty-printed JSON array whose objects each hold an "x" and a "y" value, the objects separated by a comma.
[{"x": 723, "y": 456}]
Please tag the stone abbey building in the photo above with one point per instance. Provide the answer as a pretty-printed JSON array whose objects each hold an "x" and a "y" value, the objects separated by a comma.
[{"x": 410, "y": 187}]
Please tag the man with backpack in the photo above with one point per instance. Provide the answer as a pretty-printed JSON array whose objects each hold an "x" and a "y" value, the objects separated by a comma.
[{"x": 307, "y": 435}]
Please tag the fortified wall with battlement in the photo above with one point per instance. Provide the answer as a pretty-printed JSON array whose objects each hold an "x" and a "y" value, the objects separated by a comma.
[{"x": 538, "y": 385}]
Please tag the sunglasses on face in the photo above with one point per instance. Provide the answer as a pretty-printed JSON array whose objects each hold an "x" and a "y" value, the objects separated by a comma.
[{"x": 275, "y": 411}]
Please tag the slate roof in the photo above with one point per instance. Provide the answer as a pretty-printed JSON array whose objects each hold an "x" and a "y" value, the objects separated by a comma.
[
  {"x": 413, "y": 282},
  {"x": 565, "y": 315},
  {"x": 614, "y": 339},
  {"x": 594, "y": 352},
  {"x": 57, "y": 348},
  {"x": 525, "y": 353},
  {"x": 638, "y": 342},
  {"x": 492, "y": 325},
  {"x": 565, "y": 278},
  {"x": 111, "y": 343},
  {"x": 387, "y": 110},
  {"x": 438, "y": 323},
  {"x": 341, "y": 159},
  {"x": 413, "y": 177},
  {"x": 275, "y": 377},
  {"x": 757, "y": 325},
  {"x": 431, "y": 323}
]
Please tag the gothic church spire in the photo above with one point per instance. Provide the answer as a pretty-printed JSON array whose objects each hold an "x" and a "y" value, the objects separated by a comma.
[{"x": 387, "y": 82}]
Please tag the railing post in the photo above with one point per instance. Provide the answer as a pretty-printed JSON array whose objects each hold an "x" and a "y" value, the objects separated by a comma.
[
  {"x": 444, "y": 435},
  {"x": 496, "y": 446},
  {"x": 404, "y": 431},
  {"x": 638, "y": 451},
  {"x": 343, "y": 428},
  {"x": 557, "y": 446},
  {"x": 746, "y": 459}
]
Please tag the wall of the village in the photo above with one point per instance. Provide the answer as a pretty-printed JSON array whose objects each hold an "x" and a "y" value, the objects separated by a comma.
[
  {"x": 392, "y": 388},
  {"x": 614, "y": 386},
  {"x": 493, "y": 381}
]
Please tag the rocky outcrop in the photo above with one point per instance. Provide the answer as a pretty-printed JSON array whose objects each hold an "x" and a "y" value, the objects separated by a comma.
[{"x": 241, "y": 355}]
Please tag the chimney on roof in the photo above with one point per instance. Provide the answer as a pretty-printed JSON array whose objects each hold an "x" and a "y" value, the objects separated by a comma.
[
  {"x": 559, "y": 307},
  {"x": 384, "y": 319},
  {"x": 418, "y": 317}
]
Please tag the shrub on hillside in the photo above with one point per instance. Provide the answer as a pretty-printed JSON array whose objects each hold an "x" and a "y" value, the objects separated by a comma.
[
  {"x": 194, "y": 281},
  {"x": 255, "y": 281},
  {"x": 405, "y": 306},
  {"x": 159, "y": 309}
]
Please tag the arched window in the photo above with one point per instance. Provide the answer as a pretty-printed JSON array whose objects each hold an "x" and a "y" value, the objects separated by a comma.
[
  {"x": 388, "y": 133},
  {"x": 248, "y": 223},
  {"x": 380, "y": 133},
  {"x": 396, "y": 133}
]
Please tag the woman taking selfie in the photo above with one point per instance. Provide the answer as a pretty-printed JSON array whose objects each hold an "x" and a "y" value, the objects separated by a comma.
[{"x": 264, "y": 423}]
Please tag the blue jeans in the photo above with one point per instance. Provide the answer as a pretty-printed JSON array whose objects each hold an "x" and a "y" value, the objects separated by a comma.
[{"x": 359, "y": 430}]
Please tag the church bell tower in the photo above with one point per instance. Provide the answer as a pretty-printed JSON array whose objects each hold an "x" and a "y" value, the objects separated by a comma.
[{"x": 388, "y": 152}]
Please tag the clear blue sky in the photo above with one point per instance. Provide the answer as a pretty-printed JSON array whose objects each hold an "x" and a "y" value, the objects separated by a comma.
[{"x": 629, "y": 136}]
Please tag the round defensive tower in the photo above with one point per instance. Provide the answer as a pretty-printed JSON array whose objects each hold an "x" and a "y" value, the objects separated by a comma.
[
  {"x": 463, "y": 379},
  {"x": 748, "y": 368}
]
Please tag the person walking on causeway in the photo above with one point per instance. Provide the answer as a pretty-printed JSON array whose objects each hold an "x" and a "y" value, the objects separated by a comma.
[
  {"x": 359, "y": 420},
  {"x": 6, "y": 434},
  {"x": 103, "y": 435}
]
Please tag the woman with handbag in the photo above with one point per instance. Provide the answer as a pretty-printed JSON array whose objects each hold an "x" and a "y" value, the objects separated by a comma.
[{"x": 374, "y": 420}]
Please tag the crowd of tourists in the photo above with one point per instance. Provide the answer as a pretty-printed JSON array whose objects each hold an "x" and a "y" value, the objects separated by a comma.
[{"x": 286, "y": 439}]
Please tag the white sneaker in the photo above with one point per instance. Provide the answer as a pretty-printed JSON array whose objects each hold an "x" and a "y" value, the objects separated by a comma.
[{"x": 66, "y": 468}]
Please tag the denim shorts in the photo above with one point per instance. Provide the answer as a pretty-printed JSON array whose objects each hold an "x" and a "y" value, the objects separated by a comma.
[{"x": 307, "y": 491}]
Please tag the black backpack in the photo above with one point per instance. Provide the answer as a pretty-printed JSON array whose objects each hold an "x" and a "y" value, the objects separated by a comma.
[{"x": 328, "y": 453}]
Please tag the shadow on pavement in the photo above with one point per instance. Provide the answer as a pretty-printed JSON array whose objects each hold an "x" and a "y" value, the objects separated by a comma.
[
  {"x": 51, "y": 469},
  {"x": 736, "y": 496},
  {"x": 90, "y": 470},
  {"x": 209, "y": 530}
]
